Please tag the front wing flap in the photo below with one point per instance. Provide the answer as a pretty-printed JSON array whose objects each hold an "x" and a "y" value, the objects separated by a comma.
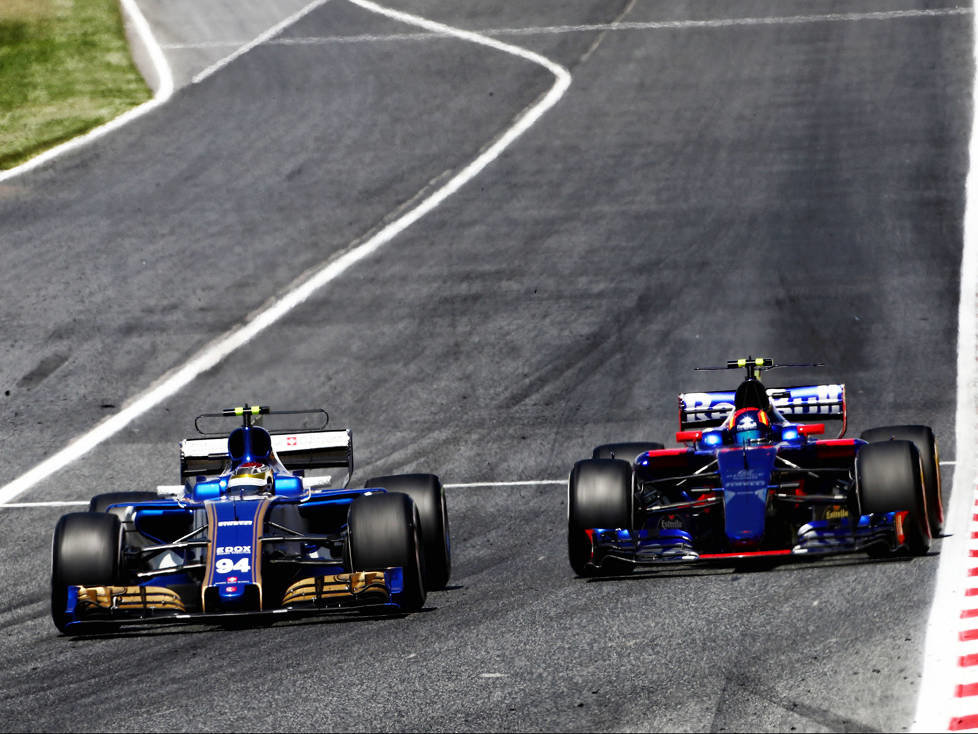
[
  {"x": 153, "y": 604},
  {"x": 669, "y": 545}
]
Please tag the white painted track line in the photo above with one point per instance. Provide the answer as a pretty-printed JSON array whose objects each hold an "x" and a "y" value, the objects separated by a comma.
[
  {"x": 939, "y": 708},
  {"x": 163, "y": 93},
  {"x": 257, "y": 41},
  {"x": 527, "y": 483},
  {"x": 311, "y": 282},
  {"x": 450, "y": 485},
  {"x": 617, "y": 26},
  {"x": 458, "y": 485}
]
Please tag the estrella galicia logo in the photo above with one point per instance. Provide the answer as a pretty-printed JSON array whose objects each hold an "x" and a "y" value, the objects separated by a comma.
[{"x": 746, "y": 423}]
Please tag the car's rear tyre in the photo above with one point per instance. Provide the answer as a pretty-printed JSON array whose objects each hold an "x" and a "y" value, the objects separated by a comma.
[
  {"x": 627, "y": 451},
  {"x": 429, "y": 496},
  {"x": 922, "y": 437},
  {"x": 101, "y": 502},
  {"x": 87, "y": 551},
  {"x": 384, "y": 530},
  {"x": 599, "y": 495},
  {"x": 889, "y": 478}
]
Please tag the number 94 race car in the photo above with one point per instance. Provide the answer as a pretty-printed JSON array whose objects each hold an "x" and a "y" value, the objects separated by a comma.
[
  {"x": 751, "y": 480},
  {"x": 248, "y": 533}
]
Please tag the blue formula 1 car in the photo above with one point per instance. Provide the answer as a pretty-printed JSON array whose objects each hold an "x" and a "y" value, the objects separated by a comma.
[
  {"x": 248, "y": 533},
  {"x": 752, "y": 480}
]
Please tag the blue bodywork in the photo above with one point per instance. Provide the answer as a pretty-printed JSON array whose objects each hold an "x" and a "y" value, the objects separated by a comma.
[
  {"x": 787, "y": 495},
  {"x": 222, "y": 549}
]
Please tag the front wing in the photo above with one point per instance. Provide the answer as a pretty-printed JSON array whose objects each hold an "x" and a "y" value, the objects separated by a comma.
[
  {"x": 820, "y": 537},
  {"x": 125, "y": 605}
]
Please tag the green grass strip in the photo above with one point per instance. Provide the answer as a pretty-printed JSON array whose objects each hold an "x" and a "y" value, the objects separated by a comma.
[{"x": 65, "y": 68}]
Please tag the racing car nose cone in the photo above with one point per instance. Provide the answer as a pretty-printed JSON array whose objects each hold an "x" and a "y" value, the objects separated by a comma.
[{"x": 230, "y": 591}]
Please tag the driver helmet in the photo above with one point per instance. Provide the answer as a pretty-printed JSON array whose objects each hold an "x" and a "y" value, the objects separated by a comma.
[
  {"x": 750, "y": 425},
  {"x": 252, "y": 477},
  {"x": 751, "y": 394},
  {"x": 249, "y": 444}
]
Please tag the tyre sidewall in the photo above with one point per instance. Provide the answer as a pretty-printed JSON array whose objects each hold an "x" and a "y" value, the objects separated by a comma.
[
  {"x": 86, "y": 551},
  {"x": 923, "y": 439},
  {"x": 384, "y": 530},
  {"x": 889, "y": 478},
  {"x": 599, "y": 495},
  {"x": 428, "y": 494}
]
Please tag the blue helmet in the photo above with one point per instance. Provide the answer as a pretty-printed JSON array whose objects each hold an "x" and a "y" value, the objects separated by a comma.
[
  {"x": 750, "y": 425},
  {"x": 249, "y": 444}
]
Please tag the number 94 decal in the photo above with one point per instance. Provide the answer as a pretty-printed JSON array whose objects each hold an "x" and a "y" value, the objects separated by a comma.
[{"x": 226, "y": 565}]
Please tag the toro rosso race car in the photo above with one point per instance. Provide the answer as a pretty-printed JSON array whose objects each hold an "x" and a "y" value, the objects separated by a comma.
[
  {"x": 248, "y": 533},
  {"x": 752, "y": 480}
]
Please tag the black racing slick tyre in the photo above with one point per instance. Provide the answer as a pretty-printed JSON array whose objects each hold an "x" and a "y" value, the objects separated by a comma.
[
  {"x": 889, "y": 478},
  {"x": 624, "y": 451},
  {"x": 599, "y": 495},
  {"x": 429, "y": 496},
  {"x": 87, "y": 551},
  {"x": 101, "y": 502},
  {"x": 384, "y": 530},
  {"x": 923, "y": 438}
]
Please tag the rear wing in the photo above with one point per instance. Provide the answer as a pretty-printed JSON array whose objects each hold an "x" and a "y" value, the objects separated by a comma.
[
  {"x": 807, "y": 403},
  {"x": 297, "y": 451}
]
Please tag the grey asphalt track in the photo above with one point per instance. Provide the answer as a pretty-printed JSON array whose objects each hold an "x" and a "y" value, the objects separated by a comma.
[{"x": 788, "y": 189}]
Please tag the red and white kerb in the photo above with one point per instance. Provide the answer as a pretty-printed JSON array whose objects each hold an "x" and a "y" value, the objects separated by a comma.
[
  {"x": 949, "y": 686},
  {"x": 964, "y": 715}
]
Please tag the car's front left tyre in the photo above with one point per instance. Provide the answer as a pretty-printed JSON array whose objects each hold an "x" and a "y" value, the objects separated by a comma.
[
  {"x": 384, "y": 530},
  {"x": 429, "y": 496},
  {"x": 889, "y": 478},
  {"x": 922, "y": 437},
  {"x": 599, "y": 495}
]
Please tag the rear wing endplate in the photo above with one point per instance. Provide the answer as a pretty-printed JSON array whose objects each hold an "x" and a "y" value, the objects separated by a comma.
[
  {"x": 806, "y": 403},
  {"x": 297, "y": 452}
]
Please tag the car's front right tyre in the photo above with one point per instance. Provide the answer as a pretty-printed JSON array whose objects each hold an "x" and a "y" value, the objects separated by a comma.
[{"x": 86, "y": 551}]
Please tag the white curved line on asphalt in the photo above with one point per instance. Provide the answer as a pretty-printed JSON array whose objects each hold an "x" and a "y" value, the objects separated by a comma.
[
  {"x": 258, "y": 40},
  {"x": 936, "y": 702},
  {"x": 163, "y": 93},
  {"x": 457, "y": 485},
  {"x": 450, "y": 485},
  {"x": 522, "y": 483},
  {"x": 590, "y": 28},
  {"x": 312, "y": 281}
]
